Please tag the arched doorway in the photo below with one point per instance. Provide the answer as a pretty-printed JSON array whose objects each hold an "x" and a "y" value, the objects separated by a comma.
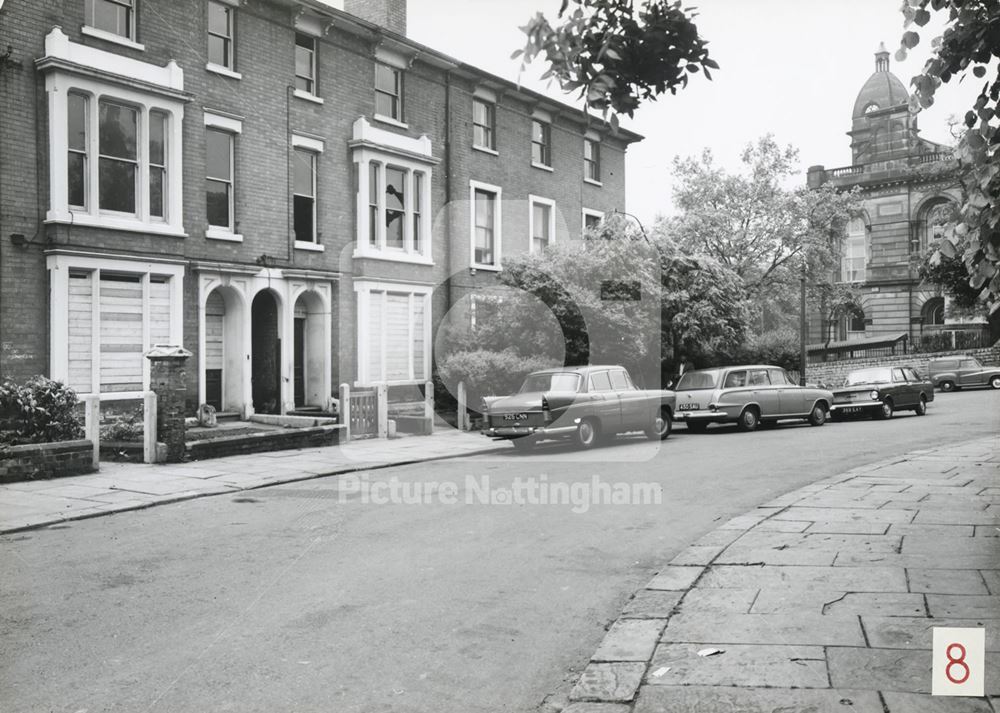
[
  {"x": 309, "y": 351},
  {"x": 224, "y": 350},
  {"x": 265, "y": 353},
  {"x": 933, "y": 312}
]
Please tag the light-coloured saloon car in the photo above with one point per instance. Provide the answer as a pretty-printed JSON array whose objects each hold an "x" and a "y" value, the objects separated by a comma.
[
  {"x": 580, "y": 403},
  {"x": 747, "y": 396}
]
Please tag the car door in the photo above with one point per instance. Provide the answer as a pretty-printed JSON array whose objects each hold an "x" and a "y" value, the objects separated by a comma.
[
  {"x": 605, "y": 402},
  {"x": 633, "y": 403},
  {"x": 791, "y": 397},
  {"x": 903, "y": 393},
  {"x": 763, "y": 392},
  {"x": 970, "y": 373}
]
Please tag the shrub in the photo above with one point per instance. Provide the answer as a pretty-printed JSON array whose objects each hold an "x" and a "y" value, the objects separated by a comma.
[
  {"x": 939, "y": 342},
  {"x": 488, "y": 373},
  {"x": 124, "y": 427},
  {"x": 38, "y": 411}
]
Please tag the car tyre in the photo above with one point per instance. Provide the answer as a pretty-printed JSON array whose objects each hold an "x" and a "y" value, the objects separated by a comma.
[
  {"x": 921, "y": 407},
  {"x": 696, "y": 426},
  {"x": 817, "y": 417},
  {"x": 886, "y": 411},
  {"x": 588, "y": 434},
  {"x": 995, "y": 381},
  {"x": 659, "y": 428},
  {"x": 947, "y": 385},
  {"x": 749, "y": 419}
]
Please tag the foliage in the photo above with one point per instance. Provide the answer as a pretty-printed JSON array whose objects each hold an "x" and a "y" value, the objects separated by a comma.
[
  {"x": 38, "y": 411},
  {"x": 124, "y": 427},
  {"x": 779, "y": 347},
  {"x": 951, "y": 274},
  {"x": 489, "y": 373},
  {"x": 968, "y": 46},
  {"x": 616, "y": 54}
]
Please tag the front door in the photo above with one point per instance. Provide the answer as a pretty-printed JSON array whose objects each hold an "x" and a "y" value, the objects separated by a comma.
[
  {"x": 265, "y": 354},
  {"x": 299, "y": 365}
]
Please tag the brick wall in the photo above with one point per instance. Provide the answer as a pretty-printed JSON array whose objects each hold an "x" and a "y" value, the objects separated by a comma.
[
  {"x": 835, "y": 372},
  {"x": 46, "y": 460},
  {"x": 313, "y": 437}
]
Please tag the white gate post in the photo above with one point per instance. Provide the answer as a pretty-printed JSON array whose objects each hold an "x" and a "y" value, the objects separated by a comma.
[
  {"x": 92, "y": 426},
  {"x": 345, "y": 411},
  {"x": 429, "y": 403},
  {"x": 463, "y": 414},
  {"x": 382, "y": 409},
  {"x": 149, "y": 427}
]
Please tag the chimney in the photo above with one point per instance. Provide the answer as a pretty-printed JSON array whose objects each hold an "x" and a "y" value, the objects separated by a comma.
[{"x": 390, "y": 14}]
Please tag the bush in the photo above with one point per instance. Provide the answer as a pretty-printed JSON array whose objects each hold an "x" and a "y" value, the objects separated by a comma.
[
  {"x": 38, "y": 411},
  {"x": 778, "y": 347},
  {"x": 124, "y": 427},
  {"x": 488, "y": 373},
  {"x": 939, "y": 342}
]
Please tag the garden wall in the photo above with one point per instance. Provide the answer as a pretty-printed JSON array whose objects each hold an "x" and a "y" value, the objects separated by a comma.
[
  {"x": 46, "y": 460},
  {"x": 264, "y": 442},
  {"x": 833, "y": 373}
]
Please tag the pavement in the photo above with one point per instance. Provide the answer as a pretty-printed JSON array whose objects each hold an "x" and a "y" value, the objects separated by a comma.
[
  {"x": 822, "y": 600},
  {"x": 119, "y": 487}
]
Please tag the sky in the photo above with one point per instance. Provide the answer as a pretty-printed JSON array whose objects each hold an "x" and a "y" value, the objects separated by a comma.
[{"x": 792, "y": 68}]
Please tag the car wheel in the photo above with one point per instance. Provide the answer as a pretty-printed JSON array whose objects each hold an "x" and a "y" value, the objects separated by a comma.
[
  {"x": 947, "y": 385},
  {"x": 749, "y": 419},
  {"x": 817, "y": 417},
  {"x": 995, "y": 382},
  {"x": 523, "y": 445},
  {"x": 660, "y": 425},
  {"x": 887, "y": 410},
  {"x": 696, "y": 426},
  {"x": 587, "y": 433},
  {"x": 921, "y": 407}
]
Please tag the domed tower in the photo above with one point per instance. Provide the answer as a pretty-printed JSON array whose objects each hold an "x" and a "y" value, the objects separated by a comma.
[{"x": 882, "y": 126}]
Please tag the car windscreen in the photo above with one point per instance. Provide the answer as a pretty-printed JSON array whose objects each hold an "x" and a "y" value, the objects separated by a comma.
[
  {"x": 868, "y": 376},
  {"x": 697, "y": 380},
  {"x": 551, "y": 382}
]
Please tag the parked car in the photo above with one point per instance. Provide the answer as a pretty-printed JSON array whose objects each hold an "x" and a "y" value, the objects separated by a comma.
[
  {"x": 581, "y": 403},
  {"x": 879, "y": 392},
  {"x": 959, "y": 372},
  {"x": 748, "y": 396}
]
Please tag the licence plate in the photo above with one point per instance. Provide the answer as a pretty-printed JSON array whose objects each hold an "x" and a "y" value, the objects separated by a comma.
[
  {"x": 851, "y": 409},
  {"x": 515, "y": 417},
  {"x": 688, "y": 407}
]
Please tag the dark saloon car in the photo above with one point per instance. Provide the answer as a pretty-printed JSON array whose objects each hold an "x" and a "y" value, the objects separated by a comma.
[
  {"x": 581, "y": 403},
  {"x": 747, "y": 396},
  {"x": 881, "y": 391},
  {"x": 960, "y": 372}
]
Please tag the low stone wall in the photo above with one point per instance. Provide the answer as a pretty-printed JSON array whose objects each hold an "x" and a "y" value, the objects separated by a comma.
[
  {"x": 46, "y": 460},
  {"x": 285, "y": 439},
  {"x": 834, "y": 372}
]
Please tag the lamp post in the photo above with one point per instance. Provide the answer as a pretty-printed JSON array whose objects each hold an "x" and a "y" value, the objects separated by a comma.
[{"x": 802, "y": 325}]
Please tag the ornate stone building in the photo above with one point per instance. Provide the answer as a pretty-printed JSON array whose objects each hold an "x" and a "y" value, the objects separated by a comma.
[{"x": 909, "y": 189}]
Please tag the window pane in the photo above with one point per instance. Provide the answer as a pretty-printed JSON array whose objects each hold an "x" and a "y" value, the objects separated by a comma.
[
  {"x": 77, "y": 122},
  {"x": 157, "y": 126},
  {"x": 395, "y": 182},
  {"x": 157, "y": 187},
  {"x": 304, "y": 166},
  {"x": 218, "y": 154},
  {"x": 303, "y": 62},
  {"x": 385, "y": 105},
  {"x": 218, "y": 19},
  {"x": 218, "y": 50},
  {"x": 217, "y": 203},
  {"x": 304, "y": 230},
  {"x": 117, "y": 182},
  {"x": 111, "y": 17},
  {"x": 76, "y": 178},
  {"x": 118, "y": 131},
  {"x": 484, "y": 209},
  {"x": 373, "y": 216},
  {"x": 417, "y": 191},
  {"x": 385, "y": 79}
]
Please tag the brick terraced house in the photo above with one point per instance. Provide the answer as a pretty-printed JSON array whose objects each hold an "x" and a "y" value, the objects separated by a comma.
[
  {"x": 910, "y": 188},
  {"x": 290, "y": 189}
]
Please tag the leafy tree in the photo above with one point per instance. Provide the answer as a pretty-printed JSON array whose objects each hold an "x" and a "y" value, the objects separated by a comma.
[
  {"x": 969, "y": 45},
  {"x": 952, "y": 275},
  {"x": 616, "y": 54}
]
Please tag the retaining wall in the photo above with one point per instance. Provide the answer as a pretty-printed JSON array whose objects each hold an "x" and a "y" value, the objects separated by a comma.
[{"x": 46, "y": 460}]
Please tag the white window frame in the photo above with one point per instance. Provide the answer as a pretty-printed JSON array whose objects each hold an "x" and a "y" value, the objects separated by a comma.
[
  {"x": 105, "y": 76},
  {"x": 363, "y": 290},
  {"x": 228, "y": 70},
  {"x": 126, "y": 40},
  {"x": 311, "y": 94},
  {"x": 400, "y": 110},
  {"x": 60, "y": 264},
  {"x": 491, "y": 108},
  {"x": 546, "y": 123},
  {"x": 589, "y": 213},
  {"x": 595, "y": 143},
  {"x": 497, "y": 191},
  {"x": 232, "y": 126},
  {"x": 315, "y": 147},
  {"x": 551, "y": 205},
  {"x": 855, "y": 247}
]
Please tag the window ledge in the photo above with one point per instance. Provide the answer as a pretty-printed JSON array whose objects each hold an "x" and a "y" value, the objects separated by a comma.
[
  {"x": 305, "y": 245},
  {"x": 302, "y": 94},
  {"x": 224, "y": 71},
  {"x": 116, "y": 222},
  {"x": 487, "y": 268},
  {"x": 542, "y": 166},
  {"x": 485, "y": 149},
  {"x": 389, "y": 120},
  {"x": 216, "y": 233},
  {"x": 111, "y": 37},
  {"x": 410, "y": 258},
  {"x": 592, "y": 182}
]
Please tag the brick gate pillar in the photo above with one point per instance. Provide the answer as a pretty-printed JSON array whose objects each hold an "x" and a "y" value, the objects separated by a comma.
[{"x": 168, "y": 379}]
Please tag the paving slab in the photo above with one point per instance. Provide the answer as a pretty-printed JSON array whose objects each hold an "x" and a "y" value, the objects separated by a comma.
[
  {"x": 609, "y": 682},
  {"x": 773, "y": 525},
  {"x": 723, "y": 601},
  {"x": 897, "y": 702},
  {"x": 597, "y": 708},
  {"x": 708, "y": 699},
  {"x": 739, "y": 665},
  {"x": 992, "y": 579},
  {"x": 838, "y": 604},
  {"x": 789, "y": 628},
  {"x": 869, "y": 579},
  {"x": 908, "y": 671},
  {"x": 948, "y": 546},
  {"x": 829, "y": 514},
  {"x": 932, "y": 530},
  {"x": 857, "y": 527},
  {"x": 946, "y": 581},
  {"x": 630, "y": 640},
  {"x": 955, "y": 561},
  {"x": 959, "y": 606},
  {"x": 918, "y": 632},
  {"x": 651, "y": 604},
  {"x": 956, "y": 516},
  {"x": 697, "y": 555},
  {"x": 675, "y": 578}
]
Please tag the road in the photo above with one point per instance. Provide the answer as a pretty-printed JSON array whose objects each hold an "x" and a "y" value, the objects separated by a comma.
[{"x": 306, "y": 597}]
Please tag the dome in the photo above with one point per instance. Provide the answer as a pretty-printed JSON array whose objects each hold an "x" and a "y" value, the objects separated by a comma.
[{"x": 882, "y": 90}]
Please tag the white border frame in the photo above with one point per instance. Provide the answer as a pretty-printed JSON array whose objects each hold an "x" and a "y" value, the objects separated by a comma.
[
  {"x": 551, "y": 204},
  {"x": 497, "y": 225}
]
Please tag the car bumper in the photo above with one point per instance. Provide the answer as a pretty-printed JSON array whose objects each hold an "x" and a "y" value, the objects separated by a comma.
[
  {"x": 701, "y": 416},
  {"x": 508, "y": 432},
  {"x": 856, "y": 408}
]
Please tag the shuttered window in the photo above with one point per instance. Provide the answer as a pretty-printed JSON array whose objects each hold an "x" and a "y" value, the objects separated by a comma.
[
  {"x": 121, "y": 332},
  {"x": 395, "y": 339},
  {"x": 81, "y": 330}
]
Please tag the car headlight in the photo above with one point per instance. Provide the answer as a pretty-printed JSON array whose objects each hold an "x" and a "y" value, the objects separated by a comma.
[{"x": 873, "y": 394}]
